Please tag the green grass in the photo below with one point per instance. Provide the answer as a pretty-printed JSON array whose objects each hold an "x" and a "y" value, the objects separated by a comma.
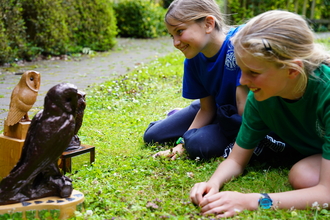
[{"x": 125, "y": 182}]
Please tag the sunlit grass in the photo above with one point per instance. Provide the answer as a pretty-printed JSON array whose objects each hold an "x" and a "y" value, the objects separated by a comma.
[{"x": 125, "y": 182}]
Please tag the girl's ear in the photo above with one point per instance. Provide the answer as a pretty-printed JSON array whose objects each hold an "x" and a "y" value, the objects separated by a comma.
[
  {"x": 293, "y": 73},
  {"x": 209, "y": 23}
]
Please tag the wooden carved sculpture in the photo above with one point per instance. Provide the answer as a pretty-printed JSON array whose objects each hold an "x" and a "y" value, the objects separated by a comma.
[
  {"x": 75, "y": 142},
  {"x": 23, "y": 97},
  {"x": 36, "y": 175}
]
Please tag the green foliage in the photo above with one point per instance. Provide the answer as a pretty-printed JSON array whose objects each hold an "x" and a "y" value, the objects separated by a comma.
[
  {"x": 92, "y": 23},
  {"x": 166, "y": 3},
  {"x": 12, "y": 31},
  {"x": 241, "y": 11},
  {"x": 4, "y": 44},
  {"x": 45, "y": 25},
  {"x": 140, "y": 19},
  {"x": 29, "y": 28}
]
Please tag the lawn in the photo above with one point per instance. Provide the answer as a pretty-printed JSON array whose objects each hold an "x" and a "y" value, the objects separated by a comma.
[{"x": 125, "y": 182}]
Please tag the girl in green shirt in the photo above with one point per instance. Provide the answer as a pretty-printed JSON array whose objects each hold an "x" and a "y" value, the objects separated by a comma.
[{"x": 289, "y": 80}]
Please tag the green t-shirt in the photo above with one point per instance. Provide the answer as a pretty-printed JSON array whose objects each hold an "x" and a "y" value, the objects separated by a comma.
[{"x": 304, "y": 124}]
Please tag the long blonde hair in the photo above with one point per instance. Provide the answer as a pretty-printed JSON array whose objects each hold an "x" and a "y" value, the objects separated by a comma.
[
  {"x": 282, "y": 37},
  {"x": 196, "y": 10}
]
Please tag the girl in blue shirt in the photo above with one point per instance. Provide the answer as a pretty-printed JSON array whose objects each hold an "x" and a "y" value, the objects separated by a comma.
[{"x": 211, "y": 76}]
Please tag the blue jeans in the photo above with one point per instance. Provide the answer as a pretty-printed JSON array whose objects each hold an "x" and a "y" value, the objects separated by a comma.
[{"x": 206, "y": 142}]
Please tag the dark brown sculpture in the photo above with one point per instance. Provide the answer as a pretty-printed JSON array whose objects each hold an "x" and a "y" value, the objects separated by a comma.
[
  {"x": 36, "y": 175},
  {"x": 75, "y": 142},
  {"x": 23, "y": 97}
]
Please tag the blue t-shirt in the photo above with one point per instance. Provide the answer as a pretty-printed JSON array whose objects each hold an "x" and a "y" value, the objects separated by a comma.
[{"x": 217, "y": 76}]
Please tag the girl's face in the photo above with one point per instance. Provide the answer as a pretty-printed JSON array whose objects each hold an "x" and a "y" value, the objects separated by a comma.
[
  {"x": 264, "y": 78},
  {"x": 190, "y": 37}
]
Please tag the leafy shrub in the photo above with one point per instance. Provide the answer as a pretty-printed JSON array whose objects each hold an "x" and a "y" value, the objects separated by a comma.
[
  {"x": 92, "y": 23},
  {"x": 4, "y": 48},
  {"x": 241, "y": 11},
  {"x": 45, "y": 25},
  {"x": 167, "y": 3},
  {"x": 12, "y": 31},
  {"x": 140, "y": 19}
]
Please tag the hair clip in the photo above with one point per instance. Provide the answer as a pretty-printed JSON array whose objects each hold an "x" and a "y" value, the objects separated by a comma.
[{"x": 266, "y": 45}]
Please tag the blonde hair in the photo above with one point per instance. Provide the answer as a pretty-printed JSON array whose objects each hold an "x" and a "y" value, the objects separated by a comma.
[
  {"x": 196, "y": 10},
  {"x": 282, "y": 37}
]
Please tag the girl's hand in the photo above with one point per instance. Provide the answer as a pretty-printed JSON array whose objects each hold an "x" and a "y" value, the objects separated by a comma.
[
  {"x": 171, "y": 153},
  {"x": 228, "y": 203},
  {"x": 202, "y": 189}
]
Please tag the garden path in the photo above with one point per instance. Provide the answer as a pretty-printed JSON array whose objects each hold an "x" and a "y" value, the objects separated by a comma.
[{"x": 83, "y": 71}]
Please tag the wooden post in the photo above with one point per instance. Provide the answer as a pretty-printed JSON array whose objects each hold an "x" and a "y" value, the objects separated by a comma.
[
  {"x": 296, "y": 6},
  {"x": 11, "y": 144},
  {"x": 312, "y": 10},
  {"x": 304, "y": 8}
]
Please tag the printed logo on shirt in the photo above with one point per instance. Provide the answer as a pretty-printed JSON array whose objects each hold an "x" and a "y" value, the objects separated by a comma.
[
  {"x": 319, "y": 129},
  {"x": 230, "y": 62}
]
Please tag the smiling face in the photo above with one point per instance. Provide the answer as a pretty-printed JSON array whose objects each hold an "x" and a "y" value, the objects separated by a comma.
[
  {"x": 189, "y": 37},
  {"x": 264, "y": 78}
]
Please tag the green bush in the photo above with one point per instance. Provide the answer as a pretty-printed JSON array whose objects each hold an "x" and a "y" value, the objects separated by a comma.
[
  {"x": 45, "y": 25},
  {"x": 140, "y": 19},
  {"x": 166, "y": 3},
  {"x": 4, "y": 48},
  {"x": 92, "y": 23},
  {"x": 241, "y": 11},
  {"x": 12, "y": 31},
  {"x": 29, "y": 28}
]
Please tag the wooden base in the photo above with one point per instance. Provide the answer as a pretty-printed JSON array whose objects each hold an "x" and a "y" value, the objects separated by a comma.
[
  {"x": 53, "y": 207},
  {"x": 10, "y": 152},
  {"x": 18, "y": 130},
  {"x": 11, "y": 144}
]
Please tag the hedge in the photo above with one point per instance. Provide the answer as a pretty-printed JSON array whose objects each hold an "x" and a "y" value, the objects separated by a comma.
[
  {"x": 29, "y": 28},
  {"x": 140, "y": 19}
]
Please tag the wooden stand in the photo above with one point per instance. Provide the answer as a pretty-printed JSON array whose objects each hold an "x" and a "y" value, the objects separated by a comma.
[
  {"x": 65, "y": 162},
  {"x": 11, "y": 144},
  {"x": 44, "y": 208},
  {"x": 17, "y": 131}
]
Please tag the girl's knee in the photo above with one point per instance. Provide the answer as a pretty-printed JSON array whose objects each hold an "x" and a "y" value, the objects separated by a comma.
[
  {"x": 305, "y": 173},
  {"x": 203, "y": 147},
  {"x": 300, "y": 179}
]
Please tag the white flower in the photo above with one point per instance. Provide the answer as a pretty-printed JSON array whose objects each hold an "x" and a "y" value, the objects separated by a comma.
[
  {"x": 89, "y": 212},
  {"x": 190, "y": 174},
  {"x": 237, "y": 210},
  {"x": 316, "y": 205},
  {"x": 325, "y": 205},
  {"x": 197, "y": 159}
]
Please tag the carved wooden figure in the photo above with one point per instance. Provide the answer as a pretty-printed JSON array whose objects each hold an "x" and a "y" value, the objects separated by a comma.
[
  {"x": 23, "y": 97},
  {"x": 36, "y": 175}
]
